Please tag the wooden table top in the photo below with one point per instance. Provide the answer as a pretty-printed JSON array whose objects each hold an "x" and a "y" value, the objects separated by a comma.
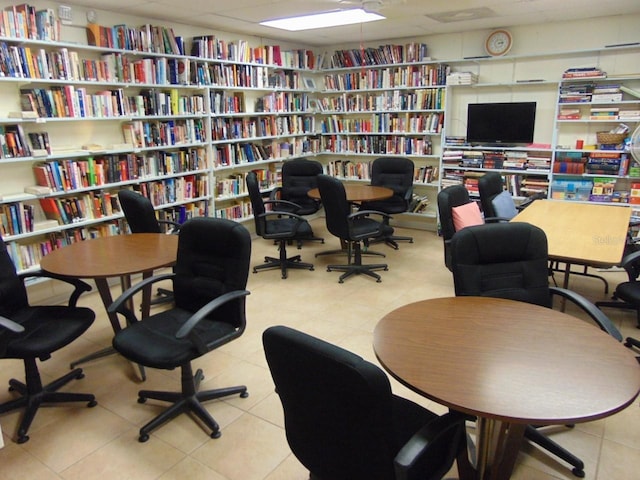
[
  {"x": 359, "y": 193},
  {"x": 113, "y": 256},
  {"x": 581, "y": 233},
  {"x": 507, "y": 360}
]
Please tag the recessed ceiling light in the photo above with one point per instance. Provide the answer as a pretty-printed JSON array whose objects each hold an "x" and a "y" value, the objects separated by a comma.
[{"x": 323, "y": 20}]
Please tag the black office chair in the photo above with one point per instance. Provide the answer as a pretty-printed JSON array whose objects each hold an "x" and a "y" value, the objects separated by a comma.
[
  {"x": 352, "y": 228},
  {"x": 277, "y": 225},
  {"x": 209, "y": 283},
  {"x": 395, "y": 173},
  {"x": 30, "y": 333},
  {"x": 298, "y": 177},
  {"x": 627, "y": 294},
  {"x": 141, "y": 217},
  {"x": 343, "y": 423},
  {"x": 495, "y": 200},
  {"x": 509, "y": 260},
  {"x": 449, "y": 199}
]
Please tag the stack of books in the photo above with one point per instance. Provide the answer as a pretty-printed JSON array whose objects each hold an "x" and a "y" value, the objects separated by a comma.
[
  {"x": 569, "y": 162},
  {"x": 493, "y": 159},
  {"x": 576, "y": 93},
  {"x": 515, "y": 160},
  {"x": 569, "y": 114},
  {"x": 585, "y": 72},
  {"x": 452, "y": 140},
  {"x": 462, "y": 78},
  {"x": 472, "y": 159},
  {"x": 603, "y": 163},
  {"x": 603, "y": 93},
  {"x": 452, "y": 157},
  {"x": 539, "y": 161},
  {"x": 604, "y": 113},
  {"x": 629, "y": 115}
]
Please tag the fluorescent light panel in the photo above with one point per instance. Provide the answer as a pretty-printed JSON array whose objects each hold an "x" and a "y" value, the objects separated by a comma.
[{"x": 323, "y": 20}]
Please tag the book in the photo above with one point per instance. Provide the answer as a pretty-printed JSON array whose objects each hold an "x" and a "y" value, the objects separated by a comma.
[{"x": 630, "y": 91}]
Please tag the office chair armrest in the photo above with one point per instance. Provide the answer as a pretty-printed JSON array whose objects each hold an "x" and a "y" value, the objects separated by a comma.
[
  {"x": 11, "y": 325},
  {"x": 496, "y": 219},
  {"x": 630, "y": 259},
  {"x": 187, "y": 327},
  {"x": 79, "y": 286},
  {"x": 409, "y": 459},
  {"x": 366, "y": 213},
  {"x": 119, "y": 304},
  {"x": 275, "y": 194},
  {"x": 283, "y": 202},
  {"x": 276, "y": 213},
  {"x": 176, "y": 226},
  {"x": 590, "y": 309}
]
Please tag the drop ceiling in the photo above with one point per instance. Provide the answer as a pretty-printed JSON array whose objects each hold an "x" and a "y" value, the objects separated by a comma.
[{"x": 405, "y": 18}]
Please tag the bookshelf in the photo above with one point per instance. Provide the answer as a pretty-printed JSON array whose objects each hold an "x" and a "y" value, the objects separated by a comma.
[{"x": 381, "y": 109}]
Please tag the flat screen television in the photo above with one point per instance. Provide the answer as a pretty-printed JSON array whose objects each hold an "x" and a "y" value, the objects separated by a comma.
[{"x": 508, "y": 123}]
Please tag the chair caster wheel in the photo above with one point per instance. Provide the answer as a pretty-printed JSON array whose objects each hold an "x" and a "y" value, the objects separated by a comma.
[
  {"x": 577, "y": 472},
  {"x": 244, "y": 394},
  {"x": 11, "y": 389},
  {"x": 142, "y": 400},
  {"x": 311, "y": 269},
  {"x": 92, "y": 404},
  {"x": 216, "y": 434},
  {"x": 80, "y": 376},
  {"x": 22, "y": 439},
  {"x": 378, "y": 281},
  {"x": 143, "y": 437}
]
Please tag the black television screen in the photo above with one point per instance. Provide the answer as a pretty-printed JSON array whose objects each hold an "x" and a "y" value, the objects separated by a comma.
[{"x": 509, "y": 123}]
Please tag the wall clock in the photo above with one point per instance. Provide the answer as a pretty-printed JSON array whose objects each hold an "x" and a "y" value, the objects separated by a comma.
[{"x": 498, "y": 43}]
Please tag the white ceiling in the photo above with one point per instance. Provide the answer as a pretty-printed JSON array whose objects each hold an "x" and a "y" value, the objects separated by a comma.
[{"x": 405, "y": 18}]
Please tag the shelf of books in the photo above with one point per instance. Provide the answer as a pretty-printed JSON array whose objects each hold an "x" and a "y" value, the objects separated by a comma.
[{"x": 595, "y": 116}]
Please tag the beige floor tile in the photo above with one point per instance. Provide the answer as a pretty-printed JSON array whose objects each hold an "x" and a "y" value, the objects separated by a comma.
[
  {"x": 192, "y": 470},
  {"x": 18, "y": 464}
]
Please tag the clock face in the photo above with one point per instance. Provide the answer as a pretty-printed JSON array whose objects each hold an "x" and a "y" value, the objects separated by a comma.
[{"x": 498, "y": 42}]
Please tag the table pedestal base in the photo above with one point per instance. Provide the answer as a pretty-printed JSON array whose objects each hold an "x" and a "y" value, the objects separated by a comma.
[{"x": 498, "y": 444}]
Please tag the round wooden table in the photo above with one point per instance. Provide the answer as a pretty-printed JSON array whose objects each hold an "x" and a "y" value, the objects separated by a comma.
[
  {"x": 359, "y": 193},
  {"x": 510, "y": 364},
  {"x": 114, "y": 256}
]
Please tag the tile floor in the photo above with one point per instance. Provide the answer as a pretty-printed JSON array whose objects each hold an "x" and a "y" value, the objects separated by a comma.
[{"x": 74, "y": 443}]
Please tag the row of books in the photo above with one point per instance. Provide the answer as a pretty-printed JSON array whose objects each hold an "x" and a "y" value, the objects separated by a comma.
[
  {"x": 374, "y": 144},
  {"x": 382, "y": 55},
  {"x": 410, "y": 76},
  {"x": 421, "y": 99},
  {"x": 384, "y": 123},
  {"x": 28, "y": 255},
  {"x": 235, "y": 184},
  {"x": 14, "y": 142},
  {"x": 175, "y": 190},
  {"x": 239, "y": 210},
  {"x": 516, "y": 160},
  {"x": 230, "y": 154},
  {"x": 225, "y": 128},
  {"x": 26, "y": 21},
  {"x": 16, "y": 218},
  {"x": 144, "y": 134},
  {"x": 87, "y": 206},
  {"x": 69, "y": 175}
]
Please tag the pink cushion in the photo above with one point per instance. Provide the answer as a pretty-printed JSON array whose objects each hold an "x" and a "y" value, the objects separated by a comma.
[{"x": 466, "y": 215}]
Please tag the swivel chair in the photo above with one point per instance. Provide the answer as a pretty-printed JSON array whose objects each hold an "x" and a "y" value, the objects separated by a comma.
[
  {"x": 352, "y": 228},
  {"x": 343, "y": 423},
  {"x": 141, "y": 217},
  {"x": 627, "y": 294},
  {"x": 395, "y": 173},
  {"x": 456, "y": 210},
  {"x": 278, "y": 225},
  {"x": 298, "y": 177},
  {"x": 509, "y": 260},
  {"x": 209, "y": 283},
  {"x": 495, "y": 200},
  {"x": 30, "y": 333}
]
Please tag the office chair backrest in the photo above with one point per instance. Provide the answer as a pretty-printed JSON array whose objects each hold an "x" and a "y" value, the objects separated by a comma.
[
  {"x": 505, "y": 260},
  {"x": 13, "y": 295},
  {"x": 337, "y": 408},
  {"x": 395, "y": 173},
  {"x": 213, "y": 259},
  {"x": 489, "y": 186},
  {"x": 448, "y": 198},
  {"x": 298, "y": 177},
  {"x": 139, "y": 212},
  {"x": 336, "y": 206},
  {"x": 257, "y": 203}
]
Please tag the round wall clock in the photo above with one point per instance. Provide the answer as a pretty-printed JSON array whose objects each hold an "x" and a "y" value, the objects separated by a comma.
[{"x": 498, "y": 43}]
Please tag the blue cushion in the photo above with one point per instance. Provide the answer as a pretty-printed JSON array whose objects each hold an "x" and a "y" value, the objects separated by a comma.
[{"x": 504, "y": 206}]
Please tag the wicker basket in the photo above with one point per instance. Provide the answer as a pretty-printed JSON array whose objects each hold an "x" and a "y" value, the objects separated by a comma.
[{"x": 607, "y": 138}]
